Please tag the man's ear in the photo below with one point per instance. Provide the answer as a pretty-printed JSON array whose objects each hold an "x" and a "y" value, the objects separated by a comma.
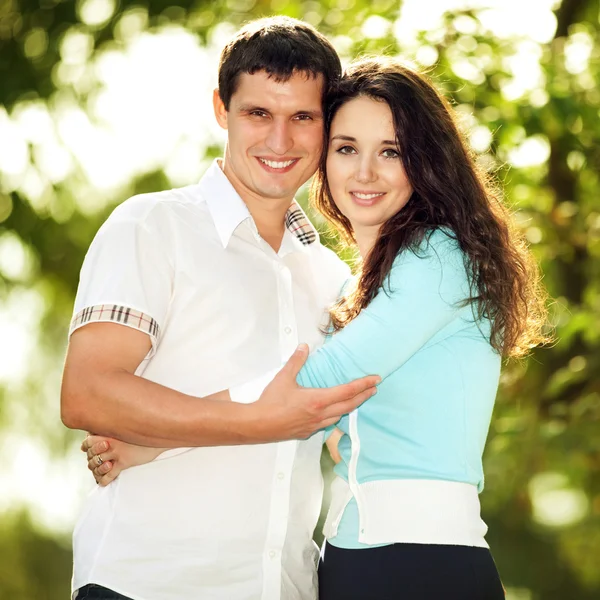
[{"x": 220, "y": 111}]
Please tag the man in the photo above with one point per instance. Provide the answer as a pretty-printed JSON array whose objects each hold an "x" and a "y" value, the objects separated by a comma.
[{"x": 188, "y": 292}]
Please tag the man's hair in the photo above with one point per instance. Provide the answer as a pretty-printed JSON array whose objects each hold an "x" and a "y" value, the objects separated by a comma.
[{"x": 280, "y": 46}]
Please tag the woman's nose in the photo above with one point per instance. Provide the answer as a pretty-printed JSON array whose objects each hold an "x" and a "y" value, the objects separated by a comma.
[{"x": 365, "y": 171}]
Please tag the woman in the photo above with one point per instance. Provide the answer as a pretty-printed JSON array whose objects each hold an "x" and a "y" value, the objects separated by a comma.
[{"x": 444, "y": 290}]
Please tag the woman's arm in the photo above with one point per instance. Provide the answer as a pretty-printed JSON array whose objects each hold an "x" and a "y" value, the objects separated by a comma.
[
  {"x": 425, "y": 294},
  {"x": 107, "y": 457}
]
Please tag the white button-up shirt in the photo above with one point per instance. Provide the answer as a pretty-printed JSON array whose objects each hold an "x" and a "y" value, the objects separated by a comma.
[{"x": 188, "y": 267}]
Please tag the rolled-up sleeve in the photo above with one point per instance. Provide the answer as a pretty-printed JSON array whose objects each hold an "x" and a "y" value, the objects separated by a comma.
[{"x": 127, "y": 275}]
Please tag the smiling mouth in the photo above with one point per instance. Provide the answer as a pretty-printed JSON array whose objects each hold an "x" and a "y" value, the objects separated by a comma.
[
  {"x": 366, "y": 199},
  {"x": 278, "y": 166}
]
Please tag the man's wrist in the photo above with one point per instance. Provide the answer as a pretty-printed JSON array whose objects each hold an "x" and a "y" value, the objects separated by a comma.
[{"x": 252, "y": 423}]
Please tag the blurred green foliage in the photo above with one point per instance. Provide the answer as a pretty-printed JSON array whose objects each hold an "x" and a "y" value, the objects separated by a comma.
[{"x": 542, "y": 497}]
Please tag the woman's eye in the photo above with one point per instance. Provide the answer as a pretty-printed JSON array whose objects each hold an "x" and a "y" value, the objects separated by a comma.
[
  {"x": 390, "y": 153},
  {"x": 346, "y": 150}
]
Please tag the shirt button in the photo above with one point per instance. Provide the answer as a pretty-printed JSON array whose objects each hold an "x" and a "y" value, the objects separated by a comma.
[
  {"x": 288, "y": 330},
  {"x": 280, "y": 476},
  {"x": 272, "y": 554}
]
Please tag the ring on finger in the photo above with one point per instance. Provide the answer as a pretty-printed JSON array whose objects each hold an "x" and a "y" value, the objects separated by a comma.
[{"x": 99, "y": 459}]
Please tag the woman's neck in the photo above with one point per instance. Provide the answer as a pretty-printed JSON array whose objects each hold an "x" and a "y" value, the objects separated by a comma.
[{"x": 365, "y": 240}]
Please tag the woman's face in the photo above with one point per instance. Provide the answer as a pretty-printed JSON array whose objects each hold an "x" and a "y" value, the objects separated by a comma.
[{"x": 364, "y": 170}]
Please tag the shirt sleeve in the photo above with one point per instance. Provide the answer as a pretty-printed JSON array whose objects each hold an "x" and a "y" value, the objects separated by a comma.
[
  {"x": 127, "y": 274},
  {"x": 251, "y": 391},
  {"x": 426, "y": 291}
]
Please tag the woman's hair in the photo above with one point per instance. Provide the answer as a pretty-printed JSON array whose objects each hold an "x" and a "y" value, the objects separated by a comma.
[{"x": 450, "y": 191}]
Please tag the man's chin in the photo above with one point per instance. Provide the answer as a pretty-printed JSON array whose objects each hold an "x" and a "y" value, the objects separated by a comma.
[{"x": 277, "y": 192}]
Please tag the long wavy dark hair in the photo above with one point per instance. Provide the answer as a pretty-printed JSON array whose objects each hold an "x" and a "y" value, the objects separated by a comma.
[{"x": 450, "y": 191}]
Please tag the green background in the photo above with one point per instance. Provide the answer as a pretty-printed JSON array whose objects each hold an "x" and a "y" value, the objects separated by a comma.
[{"x": 542, "y": 496}]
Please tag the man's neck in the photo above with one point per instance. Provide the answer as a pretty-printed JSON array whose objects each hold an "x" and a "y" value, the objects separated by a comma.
[
  {"x": 269, "y": 220},
  {"x": 268, "y": 213}
]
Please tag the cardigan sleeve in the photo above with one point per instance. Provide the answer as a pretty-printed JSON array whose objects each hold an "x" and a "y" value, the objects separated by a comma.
[{"x": 427, "y": 289}]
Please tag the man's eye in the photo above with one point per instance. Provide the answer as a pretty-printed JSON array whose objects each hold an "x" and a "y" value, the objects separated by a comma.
[
  {"x": 258, "y": 113},
  {"x": 345, "y": 150},
  {"x": 303, "y": 118}
]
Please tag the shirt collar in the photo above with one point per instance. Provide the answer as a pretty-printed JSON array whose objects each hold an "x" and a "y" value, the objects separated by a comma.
[
  {"x": 226, "y": 207},
  {"x": 228, "y": 210}
]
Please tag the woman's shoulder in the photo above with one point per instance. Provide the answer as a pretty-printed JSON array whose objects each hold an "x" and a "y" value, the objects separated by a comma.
[
  {"x": 435, "y": 263},
  {"x": 440, "y": 239},
  {"x": 437, "y": 246}
]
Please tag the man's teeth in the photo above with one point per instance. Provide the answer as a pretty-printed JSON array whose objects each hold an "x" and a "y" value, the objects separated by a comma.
[
  {"x": 276, "y": 165},
  {"x": 367, "y": 196}
]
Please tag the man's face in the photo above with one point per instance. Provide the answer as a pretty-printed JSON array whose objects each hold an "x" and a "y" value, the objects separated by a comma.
[{"x": 274, "y": 134}]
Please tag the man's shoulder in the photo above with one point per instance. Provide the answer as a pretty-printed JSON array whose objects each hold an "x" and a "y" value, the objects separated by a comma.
[
  {"x": 332, "y": 271},
  {"x": 330, "y": 259},
  {"x": 154, "y": 207}
]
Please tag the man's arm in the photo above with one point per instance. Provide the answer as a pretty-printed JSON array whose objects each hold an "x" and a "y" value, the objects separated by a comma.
[{"x": 101, "y": 393}]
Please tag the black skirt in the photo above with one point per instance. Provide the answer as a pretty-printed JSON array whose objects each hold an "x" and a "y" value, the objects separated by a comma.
[{"x": 409, "y": 572}]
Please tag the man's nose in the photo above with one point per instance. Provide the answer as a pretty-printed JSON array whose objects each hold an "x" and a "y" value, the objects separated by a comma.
[{"x": 280, "y": 138}]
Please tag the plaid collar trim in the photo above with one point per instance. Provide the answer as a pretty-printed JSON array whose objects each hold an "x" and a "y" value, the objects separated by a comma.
[
  {"x": 298, "y": 224},
  {"x": 228, "y": 210}
]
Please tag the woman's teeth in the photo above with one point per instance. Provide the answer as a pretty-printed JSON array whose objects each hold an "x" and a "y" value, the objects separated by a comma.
[{"x": 366, "y": 196}]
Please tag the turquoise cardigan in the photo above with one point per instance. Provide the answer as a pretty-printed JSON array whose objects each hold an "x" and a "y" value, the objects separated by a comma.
[{"x": 430, "y": 417}]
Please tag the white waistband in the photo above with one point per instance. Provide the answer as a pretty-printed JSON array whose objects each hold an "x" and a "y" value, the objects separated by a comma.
[{"x": 418, "y": 511}]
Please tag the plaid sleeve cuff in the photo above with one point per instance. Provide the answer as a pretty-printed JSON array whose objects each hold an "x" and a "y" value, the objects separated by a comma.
[{"x": 113, "y": 313}]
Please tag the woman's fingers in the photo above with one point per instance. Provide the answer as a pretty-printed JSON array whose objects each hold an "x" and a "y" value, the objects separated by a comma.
[
  {"x": 107, "y": 478},
  {"x": 94, "y": 445},
  {"x": 100, "y": 448},
  {"x": 101, "y": 459},
  {"x": 102, "y": 463}
]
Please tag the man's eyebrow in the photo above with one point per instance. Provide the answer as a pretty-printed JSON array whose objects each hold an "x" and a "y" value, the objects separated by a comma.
[
  {"x": 251, "y": 107},
  {"x": 348, "y": 138},
  {"x": 315, "y": 114},
  {"x": 245, "y": 108}
]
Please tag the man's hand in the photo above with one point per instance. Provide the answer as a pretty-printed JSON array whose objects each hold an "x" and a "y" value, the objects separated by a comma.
[
  {"x": 289, "y": 411},
  {"x": 107, "y": 457}
]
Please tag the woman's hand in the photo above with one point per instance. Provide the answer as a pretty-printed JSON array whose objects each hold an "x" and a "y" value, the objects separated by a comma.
[
  {"x": 332, "y": 445},
  {"x": 107, "y": 457}
]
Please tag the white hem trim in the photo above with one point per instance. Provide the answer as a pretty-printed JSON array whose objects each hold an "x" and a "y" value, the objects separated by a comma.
[{"x": 412, "y": 511}]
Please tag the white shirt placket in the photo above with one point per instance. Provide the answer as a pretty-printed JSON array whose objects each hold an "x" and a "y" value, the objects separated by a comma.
[{"x": 286, "y": 451}]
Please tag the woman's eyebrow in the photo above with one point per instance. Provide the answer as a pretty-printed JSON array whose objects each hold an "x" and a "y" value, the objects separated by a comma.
[
  {"x": 345, "y": 138},
  {"x": 348, "y": 138}
]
